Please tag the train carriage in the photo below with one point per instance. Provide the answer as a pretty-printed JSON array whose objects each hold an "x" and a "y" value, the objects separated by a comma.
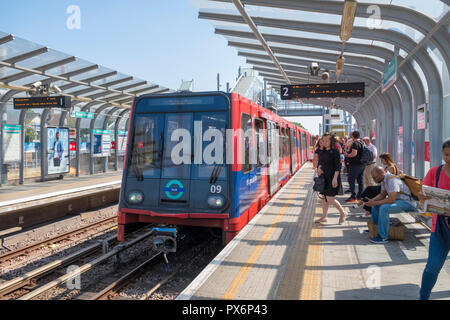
[{"x": 205, "y": 159}]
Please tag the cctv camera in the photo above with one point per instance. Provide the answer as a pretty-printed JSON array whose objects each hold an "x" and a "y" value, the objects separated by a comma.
[
  {"x": 314, "y": 69},
  {"x": 55, "y": 88},
  {"x": 325, "y": 76},
  {"x": 37, "y": 84}
]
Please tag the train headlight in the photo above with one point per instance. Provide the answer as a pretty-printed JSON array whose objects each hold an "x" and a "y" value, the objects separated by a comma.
[
  {"x": 135, "y": 197},
  {"x": 216, "y": 201}
]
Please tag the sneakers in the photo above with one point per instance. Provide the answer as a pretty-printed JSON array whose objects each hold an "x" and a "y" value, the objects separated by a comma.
[
  {"x": 351, "y": 200},
  {"x": 378, "y": 239}
]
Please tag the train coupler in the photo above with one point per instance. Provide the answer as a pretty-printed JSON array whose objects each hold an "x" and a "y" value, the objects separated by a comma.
[{"x": 165, "y": 240}]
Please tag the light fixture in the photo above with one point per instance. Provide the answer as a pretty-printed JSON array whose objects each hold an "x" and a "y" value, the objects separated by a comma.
[
  {"x": 348, "y": 17},
  {"x": 340, "y": 65}
]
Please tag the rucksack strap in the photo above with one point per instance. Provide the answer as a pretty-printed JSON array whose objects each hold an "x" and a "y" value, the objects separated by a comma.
[{"x": 438, "y": 175}]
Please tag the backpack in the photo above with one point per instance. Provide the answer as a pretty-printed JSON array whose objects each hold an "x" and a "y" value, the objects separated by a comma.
[
  {"x": 414, "y": 185},
  {"x": 366, "y": 155}
]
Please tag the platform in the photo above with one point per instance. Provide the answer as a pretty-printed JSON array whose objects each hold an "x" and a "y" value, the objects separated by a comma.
[
  {"x": 22, "y": 206},
  {"x": 282, "y": 254}
]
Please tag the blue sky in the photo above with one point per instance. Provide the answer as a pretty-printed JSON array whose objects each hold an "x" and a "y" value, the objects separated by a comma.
[{"x": 159, "y": 41}]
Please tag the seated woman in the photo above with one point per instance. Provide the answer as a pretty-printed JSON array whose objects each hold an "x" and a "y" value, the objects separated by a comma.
[{"x": 372, "y": 191}]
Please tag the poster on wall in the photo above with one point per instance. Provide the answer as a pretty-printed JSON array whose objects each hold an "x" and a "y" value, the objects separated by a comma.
[
  {"x": 121, "y": 146},
  {"x": 97, "y": 143},
  {"x": 58, "y": 161},
  {"x": 11, "y": 143},
  {"x": 101, "y": 143}
]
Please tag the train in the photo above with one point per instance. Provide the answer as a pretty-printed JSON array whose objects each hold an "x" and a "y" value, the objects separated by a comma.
[{"x": 206, "y": 159}]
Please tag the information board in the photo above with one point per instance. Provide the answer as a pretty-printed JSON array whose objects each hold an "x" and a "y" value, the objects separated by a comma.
[
  {"x": 323, "y": 90},
  {"x": 11, "y": 143},
  {"x": 42, "y": 102}
]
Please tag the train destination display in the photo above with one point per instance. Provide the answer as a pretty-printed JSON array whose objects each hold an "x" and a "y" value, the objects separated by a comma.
[
  {"x": 323, "y": 90},
  {"x": 43, "y": 102}
]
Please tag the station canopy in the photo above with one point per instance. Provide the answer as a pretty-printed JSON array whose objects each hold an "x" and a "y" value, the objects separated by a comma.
[
  {"x": 291, "y": 34},
  {"x": 23, "y": 63}
]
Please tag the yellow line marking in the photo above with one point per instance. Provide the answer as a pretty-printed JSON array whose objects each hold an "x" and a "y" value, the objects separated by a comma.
[
  {"x": 311, "y": 284},
  {"x": 237, "y": 282}
]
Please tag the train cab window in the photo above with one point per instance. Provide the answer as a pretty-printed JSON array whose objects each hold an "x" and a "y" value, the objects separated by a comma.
[
  {"x": 177, "y": 154},
  {"x": 260, "y": 146},
  {"x": 145, "y": 159},
  {"x": 209, "y": 146},
  {"x": 247, "y": 143}
]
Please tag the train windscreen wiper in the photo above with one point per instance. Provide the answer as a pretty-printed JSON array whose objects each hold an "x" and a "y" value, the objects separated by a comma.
[{"x": 215, "y": 174}]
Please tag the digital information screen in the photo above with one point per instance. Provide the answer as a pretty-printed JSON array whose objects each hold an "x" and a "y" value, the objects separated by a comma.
[
  {"x": 42, "y": 102},
  {"x": 323, "y": 90}
]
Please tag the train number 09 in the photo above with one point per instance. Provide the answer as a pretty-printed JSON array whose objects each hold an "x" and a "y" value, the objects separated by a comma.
[{"x": 216, "y": 188}]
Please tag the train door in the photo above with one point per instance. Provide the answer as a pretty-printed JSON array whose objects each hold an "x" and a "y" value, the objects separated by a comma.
[
  {"x": 292, "y": 149},
  {"x": 272, "y": 152}
]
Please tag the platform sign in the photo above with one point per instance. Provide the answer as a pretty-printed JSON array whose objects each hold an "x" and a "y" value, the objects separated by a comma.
[
  {"x": 98, "y": 131},
  {"x": 11, "y": 143},
  {"x": 389, "y": 75},
  {"x": 42, "y": 102},
  {"x": 82, "y": 115},
  {"x": 323, "y": 90},
  {"x": 58, "y": 159},
  {"x": 421, "y": 117}
]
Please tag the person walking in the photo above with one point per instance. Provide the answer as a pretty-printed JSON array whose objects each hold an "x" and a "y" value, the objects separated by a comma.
[
  {"x": 355, "y": 167},
  {"x": 330, "y": 168},
  {"x": 438, "y": 177}
]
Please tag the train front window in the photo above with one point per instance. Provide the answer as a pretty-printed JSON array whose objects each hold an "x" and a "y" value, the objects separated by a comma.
[
  {"x": 146, "y": 147},
  {"x": 177, "y": 146},
  {"x": 209, "y": 145}
]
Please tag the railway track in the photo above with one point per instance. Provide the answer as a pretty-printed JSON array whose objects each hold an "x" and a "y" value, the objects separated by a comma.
[
  {"x": 52, "y": 267},
  {"x": 187, "y": 257},
  {"x": 48, "y": 242}
]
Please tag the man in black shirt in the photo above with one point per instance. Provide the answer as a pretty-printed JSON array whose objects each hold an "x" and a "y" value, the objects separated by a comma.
[{"x": 355, "y": 167}]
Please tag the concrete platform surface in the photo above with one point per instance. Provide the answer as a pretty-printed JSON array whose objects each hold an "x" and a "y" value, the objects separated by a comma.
[{"x": 283, "y": 254}]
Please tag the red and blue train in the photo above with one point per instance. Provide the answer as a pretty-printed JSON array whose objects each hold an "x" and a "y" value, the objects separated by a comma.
[{"x": 176, "y": 175}]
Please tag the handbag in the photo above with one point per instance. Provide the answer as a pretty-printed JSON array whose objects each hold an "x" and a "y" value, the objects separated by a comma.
[
  {"x": 319, "y": 184},
  {"x": 442, "y": 231}
]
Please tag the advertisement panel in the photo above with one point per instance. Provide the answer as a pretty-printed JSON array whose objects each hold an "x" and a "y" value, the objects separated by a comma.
[
  {"x": 121, "y": 146},
  {"x": 11, "y": 143},
  {"x": 58, "y": 160}
]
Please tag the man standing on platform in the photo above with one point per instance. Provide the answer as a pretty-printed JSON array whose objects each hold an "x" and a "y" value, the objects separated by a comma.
[
  {"x": 355, "y": 167},
  {"x": 368, "y": 181}
]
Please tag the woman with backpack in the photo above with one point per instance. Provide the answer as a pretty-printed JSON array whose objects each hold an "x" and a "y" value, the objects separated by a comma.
[{"x": 438, "y": 177}]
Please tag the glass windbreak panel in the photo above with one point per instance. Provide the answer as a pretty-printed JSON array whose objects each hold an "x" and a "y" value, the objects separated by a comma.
[
  {"x": 209, "y": 145},
  {"x": 177, "y": 153},
  {"x": 147, "y": 147}
]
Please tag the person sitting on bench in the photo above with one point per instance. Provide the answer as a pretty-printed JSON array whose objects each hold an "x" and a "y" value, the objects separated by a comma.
[{"x": 398, "y": 199}]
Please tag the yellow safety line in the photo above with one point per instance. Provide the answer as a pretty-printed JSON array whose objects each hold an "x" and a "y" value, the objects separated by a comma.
[
  {"x": 311, "y": 285},
  {"x": 247, "y": 267}
]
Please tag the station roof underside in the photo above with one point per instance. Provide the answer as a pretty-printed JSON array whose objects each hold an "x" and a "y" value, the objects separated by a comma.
[{"x": 23, "y": 63}]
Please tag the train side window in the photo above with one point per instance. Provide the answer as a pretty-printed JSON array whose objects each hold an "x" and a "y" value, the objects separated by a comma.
[
  {"x": 260, "y": 150},
  {"x": 246, "y": 123}
]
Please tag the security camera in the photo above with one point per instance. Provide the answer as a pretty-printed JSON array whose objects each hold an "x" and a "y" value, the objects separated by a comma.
[
  {"x": 314, "y": 68},
  {"x": 325, "y": 76},
  {"x": 55, "y": 88},
  {"x": 37, "y": 84}
]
